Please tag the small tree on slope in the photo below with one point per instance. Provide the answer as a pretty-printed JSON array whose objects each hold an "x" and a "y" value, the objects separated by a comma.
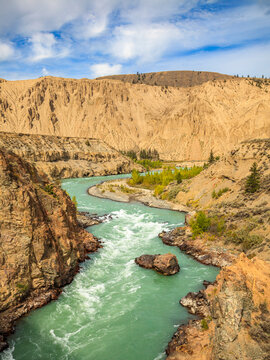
[
  {"x": 211, "y": 159},
  {"x": 253, "y": 180}
]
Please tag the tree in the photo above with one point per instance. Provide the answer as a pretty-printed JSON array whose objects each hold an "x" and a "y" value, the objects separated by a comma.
[
  {"x": 211, "y": 159},
  {"x": 253, "y": 180},
  {"x": 178, "y": 177}
]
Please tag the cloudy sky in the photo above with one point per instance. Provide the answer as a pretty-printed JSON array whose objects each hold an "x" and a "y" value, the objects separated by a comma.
[{"x": 91, "y": 38}]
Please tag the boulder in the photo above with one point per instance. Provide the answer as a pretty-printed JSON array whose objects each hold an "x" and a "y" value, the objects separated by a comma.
[{"x": 166, "y": 264}]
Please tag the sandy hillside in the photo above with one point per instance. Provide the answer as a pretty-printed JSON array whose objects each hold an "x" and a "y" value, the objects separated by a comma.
[{"x": 181, "y": 123}]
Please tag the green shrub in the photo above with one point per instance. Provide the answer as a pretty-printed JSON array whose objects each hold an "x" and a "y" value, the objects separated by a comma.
[
  {"x": 136, "y": 177},
  {"x": 158, "y": 190},
  {"x": 244, "y": 238},
  {"x": 200, "y": 223},
  {"x": 150, "y": 164},
  {"x": 204, "y": 324},
  {"x": 127, "y": 190},
  {"x": 173, "y": 193},
  {"x": 87, "y": 143},
  {"x": 219, "y": 193},
  {"x": 75, "y": 202},
  {"x": 23, "y": 288},
  {"x": 217, "y": 225},
  {"x": 164, "y": 177},
  {"x": 49, "y": 189}
]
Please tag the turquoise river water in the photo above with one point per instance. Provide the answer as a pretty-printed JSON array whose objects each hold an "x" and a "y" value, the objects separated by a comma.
[{"x": 113, "y": 310}]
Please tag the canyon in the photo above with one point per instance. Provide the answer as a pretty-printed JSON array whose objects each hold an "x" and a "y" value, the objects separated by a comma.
[{"x": 55, "y": 128}]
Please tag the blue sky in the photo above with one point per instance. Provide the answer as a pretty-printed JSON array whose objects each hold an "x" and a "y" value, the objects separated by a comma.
[{"x": 90, "y": 38}]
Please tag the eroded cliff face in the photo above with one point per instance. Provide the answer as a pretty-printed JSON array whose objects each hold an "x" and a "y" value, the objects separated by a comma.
[
  {"x": 41, "y": 243},
  {"x": 235, "y": 320},
  {"x": 182, "y": 123},
  {"x": 62, "y": 157}
]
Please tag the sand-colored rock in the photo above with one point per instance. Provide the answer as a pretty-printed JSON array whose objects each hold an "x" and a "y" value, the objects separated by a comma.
[
  {"x": 239, "y": 323},
  {"x": 67, "y": 157},
  {"x": 41, "y": 242},
  {"x": 181, "y": 123}
]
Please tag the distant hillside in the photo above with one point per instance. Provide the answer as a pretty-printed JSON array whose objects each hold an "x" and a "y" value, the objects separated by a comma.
[
  {"x": 170, "y": 78},
  {"x": 181, "y": 123}
]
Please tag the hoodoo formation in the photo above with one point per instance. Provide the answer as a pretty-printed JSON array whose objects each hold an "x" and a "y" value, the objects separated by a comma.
[{"x": 181, "y": 122}]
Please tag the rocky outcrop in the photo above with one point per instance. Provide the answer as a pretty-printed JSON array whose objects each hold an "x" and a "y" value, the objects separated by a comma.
[
  {"x": 235, "y": 317},
  {"x": 196, "y": 303},
  {"x": 67, "y": 157},
  {"x": 41, "y": 242},
  {"x": 199, "y": 249},
  {"x": 85, "y": 219},
  {"x": 182, "y": 123},
  {"x": 166, "y": 264}
]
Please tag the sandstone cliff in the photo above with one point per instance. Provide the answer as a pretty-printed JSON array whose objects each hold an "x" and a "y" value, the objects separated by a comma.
[
  {"x": 236, "y": 317},
  {"x": 62, "y": 157},
  {"x": 182, "y": 123},
  {"x": 41, "y": 243}
]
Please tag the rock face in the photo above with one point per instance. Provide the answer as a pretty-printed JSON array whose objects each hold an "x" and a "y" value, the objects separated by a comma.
[
  {"x": 197, "y": 248},
  {"x": 62, "y": 157},
  {"x": 41, "y": 242},
  {"x": 182, "y": 123},
  {"x": 236, "y": 317},
  {"x": 166, "y": 264}
]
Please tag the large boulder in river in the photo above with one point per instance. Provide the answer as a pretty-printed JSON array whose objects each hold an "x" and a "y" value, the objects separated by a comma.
[{"x": 166, "y": 264}]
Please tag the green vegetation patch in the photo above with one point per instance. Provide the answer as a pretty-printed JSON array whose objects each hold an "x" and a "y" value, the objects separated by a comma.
[
  {"x": 151, "y": 179},
  {"x": 23, "y": 288},
  {"x": 49, "y": 189},
  {"x": 216, "y": 195}
]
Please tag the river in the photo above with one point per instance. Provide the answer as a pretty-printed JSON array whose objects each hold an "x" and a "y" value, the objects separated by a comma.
[{"x": 113, "y": 310}]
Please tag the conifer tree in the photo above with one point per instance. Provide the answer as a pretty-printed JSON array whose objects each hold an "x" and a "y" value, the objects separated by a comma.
[
  {"x": 211, "y": 159},
  {"x": 253, "y": 180},
  {"x": 178, "y": 177}
]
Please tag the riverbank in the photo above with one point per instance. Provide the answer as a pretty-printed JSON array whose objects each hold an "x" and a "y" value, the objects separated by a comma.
[
  {"x": 239, "y": 224},
  {"x": 119, "y": 190}
]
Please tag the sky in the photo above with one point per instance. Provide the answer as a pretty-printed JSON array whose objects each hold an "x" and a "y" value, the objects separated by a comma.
[{"x": 91, "y": 38}]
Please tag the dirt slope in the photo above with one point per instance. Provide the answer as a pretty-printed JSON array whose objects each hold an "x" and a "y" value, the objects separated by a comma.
[{"x": 182, "y": 123}]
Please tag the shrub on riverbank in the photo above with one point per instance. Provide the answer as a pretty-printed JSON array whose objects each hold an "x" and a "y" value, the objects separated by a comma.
[
  {"x": 200, "y": 223},
  {"x": 149, "y": 164},
  {"x": 151, "y": 179}
]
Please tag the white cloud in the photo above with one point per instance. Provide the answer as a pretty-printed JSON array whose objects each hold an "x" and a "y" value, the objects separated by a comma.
[
  {"x": 103, "y": 69},
  {"x": 6, "y": 51},
  {"x": 145, "y": 42},
  {"x": 45, "y": 45},
  {"x": 44, "y": 72}
]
